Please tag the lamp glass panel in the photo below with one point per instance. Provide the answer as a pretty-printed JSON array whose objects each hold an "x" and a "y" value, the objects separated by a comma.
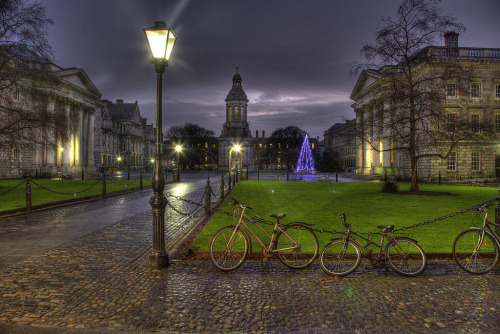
[{"x": 158, "y": 42}]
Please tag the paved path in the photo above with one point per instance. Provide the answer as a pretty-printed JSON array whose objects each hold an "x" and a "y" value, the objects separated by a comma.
[{"x": 100, "y": 283}]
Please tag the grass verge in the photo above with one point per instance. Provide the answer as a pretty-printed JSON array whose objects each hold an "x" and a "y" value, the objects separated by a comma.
[
  {"x": 364, "y": 204},
  {"x": 59, "y": 190}
]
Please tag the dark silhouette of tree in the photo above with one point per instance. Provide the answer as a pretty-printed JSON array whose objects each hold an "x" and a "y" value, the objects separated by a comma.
[
  {"x": 199, "y": 145},
  {"x": 26, "y": 80},
  {"x": 410, "y": 92},
  {"x": 285, "y": 143}
]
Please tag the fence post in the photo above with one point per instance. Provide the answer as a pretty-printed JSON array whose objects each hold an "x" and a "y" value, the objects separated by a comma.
[
  {"x": 83, "y": 175},
  {"x": 141, "y": 187},
  {"x": 28, "y": 196},
  {"x": 222, "y": 192},
  {"x": 287, "y": 173},
  {"x": 208, "y": 199},
  {"x": 128, "y": 174},
  {"x": 258, "y": 173},
  {"x": 104, "y": 184},
  {"x": 439, "y": 180},
  {"x": 337, "y": 176}
]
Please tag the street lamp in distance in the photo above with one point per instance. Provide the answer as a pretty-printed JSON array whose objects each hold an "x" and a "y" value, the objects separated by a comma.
[{"x": 161, "y": 40}]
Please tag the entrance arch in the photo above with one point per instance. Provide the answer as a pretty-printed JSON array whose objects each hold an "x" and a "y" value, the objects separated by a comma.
[{"x": 235, "y": 158}]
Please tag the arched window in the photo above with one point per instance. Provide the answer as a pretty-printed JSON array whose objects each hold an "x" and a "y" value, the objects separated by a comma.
[{"x": 236, "y": 114}]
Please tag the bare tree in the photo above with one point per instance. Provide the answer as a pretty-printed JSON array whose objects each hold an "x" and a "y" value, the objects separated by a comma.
[
  {"x": 26, "y": 79},
  {"x": 285, "y": 143},
  {"x": 413, "y": 80},
  {"x": 198, "y": 144}
]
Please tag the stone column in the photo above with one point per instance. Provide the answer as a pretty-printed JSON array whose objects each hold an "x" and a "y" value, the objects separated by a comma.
[
  {"x": 66, "y": 145},
  {"x": 51, "y": 166},
  {"x": 90, "y": 145},
  {"x": 78, "y": 140}
]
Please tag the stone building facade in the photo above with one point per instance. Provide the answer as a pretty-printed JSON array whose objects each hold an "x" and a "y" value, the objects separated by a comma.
[
  {"x": 126, "y": 141},
  {"x": 340, "y": 138},
  {"x": 78, "y": 99},
  {"x": 235, "y": 142},
  {"x": 480, "y": 104}
]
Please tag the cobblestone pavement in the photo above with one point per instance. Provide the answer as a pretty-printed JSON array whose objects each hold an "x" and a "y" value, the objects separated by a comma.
[{"x": 100, "y": 283}]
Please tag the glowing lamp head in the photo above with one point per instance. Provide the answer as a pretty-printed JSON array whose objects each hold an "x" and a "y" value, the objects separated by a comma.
[
  {"x": 152, "y": 161},
  {"x": 237, "y": 148},
  {"x": 119, "y": 158},
  {"x": 61, "y": 149},
  {"x": 178, "y": 148},
  {"x": 161, "y": 40}
]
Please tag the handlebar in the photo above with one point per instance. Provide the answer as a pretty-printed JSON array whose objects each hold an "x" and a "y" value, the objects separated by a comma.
[
  {"x": 236, "y": 202},
  {"x": 343, "y": 217}
]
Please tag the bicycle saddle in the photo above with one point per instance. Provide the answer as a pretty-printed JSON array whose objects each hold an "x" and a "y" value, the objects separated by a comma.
[
  {"x": 386, "y": 227},
  {"x": 278, "y": 215}
]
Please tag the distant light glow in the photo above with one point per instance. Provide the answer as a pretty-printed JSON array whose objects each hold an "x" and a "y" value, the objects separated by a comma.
[
  {"x": 178, "y": 148},
  {"x": 237, "y": 148},
  {"x": 305, "y": 165}
]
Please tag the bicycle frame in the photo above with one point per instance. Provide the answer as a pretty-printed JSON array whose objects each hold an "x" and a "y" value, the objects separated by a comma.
[
  {"x": 272, "y": 237},
  {"x": 351, "y": 235}
]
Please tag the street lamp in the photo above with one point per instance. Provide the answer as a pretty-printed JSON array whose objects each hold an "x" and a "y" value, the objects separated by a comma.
[
  {"x": 178, "y": 149},
  {"x": 161, "y": 40}
]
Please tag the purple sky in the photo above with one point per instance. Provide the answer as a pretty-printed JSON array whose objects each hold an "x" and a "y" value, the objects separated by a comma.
[{"x": 294, "y": 55}]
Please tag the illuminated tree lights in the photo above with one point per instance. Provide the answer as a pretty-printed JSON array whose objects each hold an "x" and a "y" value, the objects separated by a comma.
[{"x": 305, "y": 165}]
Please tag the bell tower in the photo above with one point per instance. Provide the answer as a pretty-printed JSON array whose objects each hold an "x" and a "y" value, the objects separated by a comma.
[
  {"x": 235, "y": 142},
  {"x": 236, "y": 125}
]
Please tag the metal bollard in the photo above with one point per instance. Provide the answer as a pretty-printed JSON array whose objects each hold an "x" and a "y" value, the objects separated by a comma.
[
  {"x": 208, "y": 195},
  {"x": 28, "y": 196},
  {"x": 222, "y": 193},
  {"x": 128, "y": 174},
  {"x": 104, "y": 185},
  {"x": 337, "y": 176},
  {"x": 141, "y": 186}
]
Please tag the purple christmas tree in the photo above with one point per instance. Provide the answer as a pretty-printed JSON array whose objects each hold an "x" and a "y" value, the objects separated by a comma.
[{"x": 305, "y": 165}]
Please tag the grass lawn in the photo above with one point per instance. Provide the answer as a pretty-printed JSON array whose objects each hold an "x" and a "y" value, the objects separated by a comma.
[
  {"x": 365, "y": 205},
  {"x": 16, "y": 199}
]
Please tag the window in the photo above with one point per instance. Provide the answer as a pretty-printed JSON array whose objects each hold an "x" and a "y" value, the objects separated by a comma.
[
  {"x": 451, "y": 90},
  {"x": 476, "y": 161},
  {"x": 497, "y": 92},
  {"x": 475, "y": 91},
  {"x": 451, "y": 122},
  {"x": 475, "y": 122},
  {"x": 497, "y": 123},
  {"x": 452, "y": 162}
]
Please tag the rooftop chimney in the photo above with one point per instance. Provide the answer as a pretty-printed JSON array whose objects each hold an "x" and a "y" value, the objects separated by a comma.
[{"x": 451, "y": 39}]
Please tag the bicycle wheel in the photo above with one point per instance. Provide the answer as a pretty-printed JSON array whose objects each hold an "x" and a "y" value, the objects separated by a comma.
[
  {"x": 472, "y": 257},
  {"x": 302, "y": 250},
  {"x": 229, "y": 248},
  {"x": 339, "y": 258},
  {"x": 406, "y": 257}
]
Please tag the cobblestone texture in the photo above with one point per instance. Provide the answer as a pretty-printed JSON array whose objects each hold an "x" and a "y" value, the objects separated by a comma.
[{"x": 101, "y": 281}]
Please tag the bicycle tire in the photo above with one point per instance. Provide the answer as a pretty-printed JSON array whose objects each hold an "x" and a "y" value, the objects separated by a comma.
[
  {"x": 337, "y": 261},
  {"x": 229, "y": 253},
  {"x": 307, "y": 250},
  {"x": 475, "y": 262},
  {"x": 406, "y": 257}
]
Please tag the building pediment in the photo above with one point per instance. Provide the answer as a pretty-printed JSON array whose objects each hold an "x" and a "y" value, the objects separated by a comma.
[
  {"x": 77, "y": 78},
  {"x": 366, "y": 79}
]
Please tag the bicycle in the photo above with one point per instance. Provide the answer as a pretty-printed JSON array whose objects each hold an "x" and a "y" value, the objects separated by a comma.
[
  {"x": 342, "y": 256},
  {"x": 476, "y": 250},
  {"x": 231, "y": 245}
]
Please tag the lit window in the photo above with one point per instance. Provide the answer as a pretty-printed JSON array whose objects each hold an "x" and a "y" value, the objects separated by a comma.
[
  {"x": 475, "y": 91},
  {"x": 452, "y": 162},
  {"x": 475, "y": 122},
  {"x": 476, "y": 161},
  {"x": 451, "y": 90}
]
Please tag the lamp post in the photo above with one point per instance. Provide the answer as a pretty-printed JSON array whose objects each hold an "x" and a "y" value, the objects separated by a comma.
[
  {"x": 161, "y": 40},
  {"x": 178, "y": 148}
]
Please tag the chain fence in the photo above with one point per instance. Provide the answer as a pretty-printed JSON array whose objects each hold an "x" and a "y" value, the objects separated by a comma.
[
  {"x": 9, "y": 190},
  {"x": 65, "y": 193}
]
